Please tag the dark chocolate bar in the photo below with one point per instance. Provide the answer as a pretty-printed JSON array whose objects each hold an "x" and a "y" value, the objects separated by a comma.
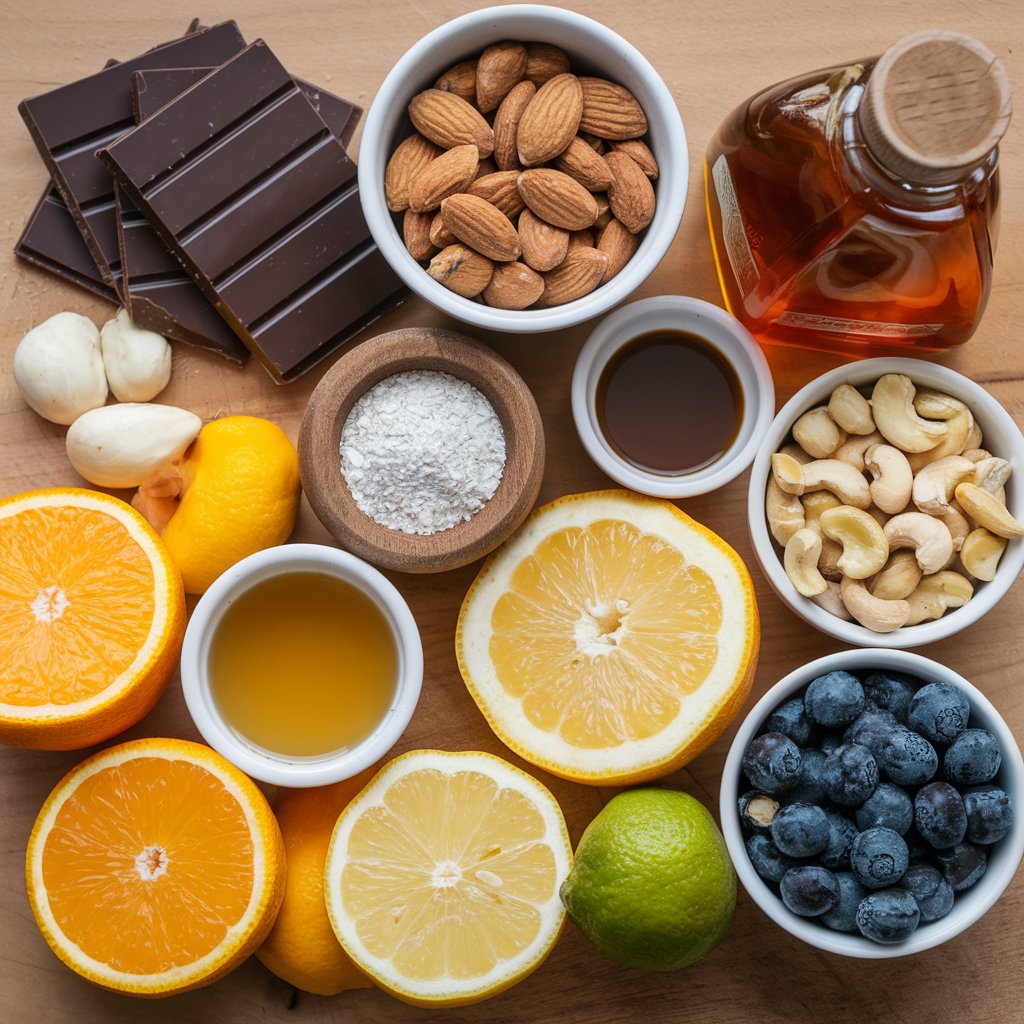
[
  {"x": 71, "y": 122},
  {"x": 243, "y": 180},
  {"x": 159, "y": 294}
]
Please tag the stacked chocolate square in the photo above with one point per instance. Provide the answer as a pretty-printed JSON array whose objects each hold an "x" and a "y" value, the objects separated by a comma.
[{"x": 211, "y": 193}]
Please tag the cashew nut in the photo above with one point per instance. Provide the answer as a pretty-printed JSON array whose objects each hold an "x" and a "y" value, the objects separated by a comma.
[
  {"x": 929, "y": 538},
  {"x": 814, "y": 505},
  {"x": 784, "y": 512},
  {"x": 987, "y": 511},
  {"x": 898, "y": 578},
  {"x": 832, "y": 601},
  {"x": 892, "y": 404},
  {"x": 936, "y": 595},
  {"x": 891, "y": 487},
  {"x": 934, "y": 485},
  {"x": 936, "y": 405},
  {"x": 855, "y": 447},
  {"x": 981, "y": 553},
  {"x": 801, "y": 562},
  {"x": 873, "y": 612},
  {"x": 958, "y": 427},
  {"x": 976, "y": 454},
  {"x": 991, "y": 474},
  {"x": 821, "y": 475},
  {"x": 974, "y": 438},
  {"x": 796, "y": 452},
  {"x": 818, "y": 434},
  {"x": 956, "y": 522},
  {"x": 865, "y": 548},
  {"x": 851, "y": 410}
]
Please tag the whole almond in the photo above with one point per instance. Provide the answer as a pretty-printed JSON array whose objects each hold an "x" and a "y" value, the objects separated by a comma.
[
  {"x": 619, "y": 244},
  {"x": 604, "y": 213},
  {"x": 439, "y": 234},
  {"x": 481, "y": 226},
  {"x": 550, "y": 120},
  {"x": 500, "y": 67},
  {"x": 579, "y": 161},
  {"x": 580, "y": 273},
  {"x": 500, "y": 189},
  {"x": 416, "y": 234},
  {"x": 506, "y": 125},
  {"x": 411, "y": 156},
  {"x": 559, "y": 199},
  {"x": 581, "y": 239},
  {"x": 460, "y": 79},
  {"x": 461, "y": 270},
  {"x": 513, "y": 286},
  {"x": 445, "y": 175},
  {"x": 641, "y": 153},
  {"x": 544, "y": 245},
  {"x": 599, "y": 146},
  {"x": 544, "y": 61},
  {"x": 631, "y": 195},
  {"x": 610, "y": 111},
  {"x": 448, "y": 120},
  {"x": 486, "y": 166}
]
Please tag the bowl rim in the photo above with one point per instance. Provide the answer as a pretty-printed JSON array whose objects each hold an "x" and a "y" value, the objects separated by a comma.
[
  {"x": 671, "y": 187},
  {"x": 277, "y": 769},
  {"x": 985, "y": 408},
  {"x": 995, "y": 880}
]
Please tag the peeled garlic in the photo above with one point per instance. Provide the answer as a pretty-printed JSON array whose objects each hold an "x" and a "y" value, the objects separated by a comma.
[
  {"x": 137, "y": 361},
  {"x": 59, "y": 369},
  {"x": 122, "y": 445}
]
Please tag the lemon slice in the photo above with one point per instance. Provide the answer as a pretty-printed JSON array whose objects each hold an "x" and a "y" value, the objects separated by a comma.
[
  {"x": 442, "y": 876},
  {"x": 611, "y": 639}
]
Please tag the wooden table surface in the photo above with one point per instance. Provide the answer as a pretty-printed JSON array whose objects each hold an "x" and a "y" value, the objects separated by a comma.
[{"x": 711, "y": 56}]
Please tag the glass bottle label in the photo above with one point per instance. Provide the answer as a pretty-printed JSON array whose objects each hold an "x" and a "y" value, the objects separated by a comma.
[
  {"x": 741, "y": 259},
  {"x": 842, "y": 325}
]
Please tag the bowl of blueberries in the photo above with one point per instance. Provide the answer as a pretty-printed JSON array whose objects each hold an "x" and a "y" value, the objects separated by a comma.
[{"x": 871, "y": 803}]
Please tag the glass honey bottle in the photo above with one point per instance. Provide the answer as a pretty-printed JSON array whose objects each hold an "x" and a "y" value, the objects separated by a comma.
[{"x": 855, "y": 209}]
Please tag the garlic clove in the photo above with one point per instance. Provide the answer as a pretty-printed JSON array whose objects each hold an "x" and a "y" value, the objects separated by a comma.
[
  {"x": 122, "y": 445},
  {"x": 137, "y": 361}
]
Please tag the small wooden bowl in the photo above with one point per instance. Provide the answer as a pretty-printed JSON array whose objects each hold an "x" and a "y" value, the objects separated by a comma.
[{"x": 420, "y": 348}]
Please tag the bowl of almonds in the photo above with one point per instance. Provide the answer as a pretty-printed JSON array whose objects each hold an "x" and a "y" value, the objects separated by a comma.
[
  {"x": 886, "y": 503},
  {"x": 523, "y": 168}
]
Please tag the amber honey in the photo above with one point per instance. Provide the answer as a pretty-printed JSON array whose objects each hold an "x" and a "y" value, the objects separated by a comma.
[{"x": 303, "y": 664}]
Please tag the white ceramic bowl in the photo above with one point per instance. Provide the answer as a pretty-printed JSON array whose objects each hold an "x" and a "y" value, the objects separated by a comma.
[
  {"x": 1001, "y": 436},
  {"x": 263, "y": 764},
  {"x": 727, "y": 336},
  {"x": 1003, "y": 857},
  {"x": 593, "y": 49}
]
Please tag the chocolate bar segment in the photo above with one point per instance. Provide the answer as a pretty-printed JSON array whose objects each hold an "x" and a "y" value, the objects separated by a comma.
[{"x": 243, "y": 179}]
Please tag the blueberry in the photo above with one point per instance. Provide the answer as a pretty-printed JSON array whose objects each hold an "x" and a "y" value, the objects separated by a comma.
[
  {"x": 766, "y": 859},
  {"x": 888, "y": 916},
  {"x": 800, "y": 830},
  {"x": 939, "y": 815},
  {"x": 841, "y": 834},
  {"x": 851, "y": 775},
  {"x": 870, "y": 729},
  {"x": 843, "y": 916},
  {"x": 916, "y": 846},
  {"x": 989, "y": 814},
  {"x": 791, "y": 720},
  {"x": 829, "y": 742},
  {"x": 907, "y": 758},
  {"x": 973, "y": 757},
  {"x": 878, "y": 857},
  {"x": 756, "y": 811},
  {"x": 891, "y": 691},
  {"x": 888, "y": 807},
  {"x": 834, "y": 699},
  {"x": 811, "y": 787},
  {"x": 963, "y": 865},
  {"x": 809, "y": 891},
  {"x": 772, "y": 763},
  {"x": 939, "y": 712},
  {"x": 934, "y": 895}
]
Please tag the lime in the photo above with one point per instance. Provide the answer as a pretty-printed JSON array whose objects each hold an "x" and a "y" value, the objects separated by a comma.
[{"x": 652, "y": 884}]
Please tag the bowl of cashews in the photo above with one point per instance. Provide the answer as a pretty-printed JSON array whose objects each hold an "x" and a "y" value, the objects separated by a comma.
[{"x": 884, "y": 502}]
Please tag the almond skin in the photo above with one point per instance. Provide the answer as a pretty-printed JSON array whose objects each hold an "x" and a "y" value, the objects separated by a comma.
[
  {"x": 506, "y": 125},
  {"x": 411, "y": 156},
  {"x": 500, "y": 67},
  {"x": 550, "y": 120},
  {"x": 610, "y": 111},
  {"x": 486, "y": 166},
  {"x": 500, "y": 189},
  {"x": 439, "y": 234},
  {"x": 461, "y": 270},
  {"x": 444, "y": 176},
  {"x": 579, "y": 274},
  {"x": 448, "y": 120},
  {"x": 559, "y": 199},
  {"x": 513, "y": 286},
  {"x": 544, "y": 245},
  {"x": 581, "y": 239},
  {"x": 481, "y": 226},
  {"x": 631, "y": 195},
  {"x": 416, "y": 234},
  {"x": 641, "y": 153},
  {"x": 618, "y": 244},
  {"x": 544, "y": 61},
  {"x": 460, "y": 79},
  {"x": 579, "y": 161}
]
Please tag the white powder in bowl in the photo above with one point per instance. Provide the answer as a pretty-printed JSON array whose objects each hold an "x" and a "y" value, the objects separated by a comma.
[{"x": 422, "y": 451}]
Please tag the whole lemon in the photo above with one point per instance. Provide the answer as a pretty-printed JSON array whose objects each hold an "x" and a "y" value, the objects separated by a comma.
[{"x": 652, "y": 883}]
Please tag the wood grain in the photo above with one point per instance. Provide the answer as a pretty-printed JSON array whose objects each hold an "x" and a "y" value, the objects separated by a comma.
[{"x": 711, "y": 57}]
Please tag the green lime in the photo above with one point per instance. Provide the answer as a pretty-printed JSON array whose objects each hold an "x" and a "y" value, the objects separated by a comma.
[{"x": 652, "y": 884}]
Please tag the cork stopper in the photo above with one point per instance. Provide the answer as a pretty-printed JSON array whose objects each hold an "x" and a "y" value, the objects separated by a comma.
[{"x": 936, "y": 104}]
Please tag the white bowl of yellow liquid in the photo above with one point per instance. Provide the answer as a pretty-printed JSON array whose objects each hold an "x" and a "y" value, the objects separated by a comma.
[{"x": 302, "y": 665}]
